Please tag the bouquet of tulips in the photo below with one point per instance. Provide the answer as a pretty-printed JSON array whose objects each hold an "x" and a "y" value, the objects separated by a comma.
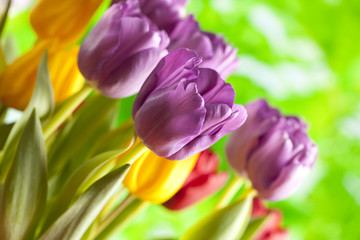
[{"x": 70, "y": 170}]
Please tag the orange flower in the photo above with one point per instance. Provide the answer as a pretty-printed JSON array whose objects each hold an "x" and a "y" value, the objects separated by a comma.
[
  {"x": 17, "y": 81},
  {"x": 65, "y": 20}
]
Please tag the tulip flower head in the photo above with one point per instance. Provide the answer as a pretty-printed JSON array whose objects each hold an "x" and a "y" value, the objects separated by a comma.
[
  {"x": 64, "y": 20},
  {"x": 182, "y": 110},
  {"x": 121, "y": 50},
  {"x": 216, "y": 54},
  {"x": 156, "y": 179},
  {"x": 271, "y": 229},
  {"x": 272, "y": 150},
  {"x": 164, "y": 13},
  {"x": 201, "y": 183},
  {"x": 18, "y": 79}
]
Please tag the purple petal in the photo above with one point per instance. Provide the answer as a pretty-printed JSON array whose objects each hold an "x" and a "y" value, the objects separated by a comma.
[
  {"x": 224, "y": 59},
  {"x": 261, "y": 118},
  {"x": 166, "y": 129},
  {"x": 163, "y": 13},
  {"x": 216, "y": 114},
  {"x": 187, "y": 34},
  {"x": 286, "y": 183},
  {"x": 175, "y": 66},
  {"x": 266, "y": 162},
  {"x": 101, "y": 42},
  {"x": 202, "y": 142},
  {"x": 213, "y": 88},
  {"x": 130, "y": 76}
]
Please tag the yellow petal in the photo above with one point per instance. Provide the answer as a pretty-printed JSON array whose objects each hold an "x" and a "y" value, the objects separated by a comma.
[
  {"x": 65, "y": 20},
  {"x": 157, "y": 179},
  {"x": 17, "y": 81}
]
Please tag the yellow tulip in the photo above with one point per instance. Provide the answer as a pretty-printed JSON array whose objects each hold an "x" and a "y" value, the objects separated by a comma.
[
  {"x": 156, "y": 179},
  {"x": 17, "y": 81},
  {"x": 65, "y": 20}
]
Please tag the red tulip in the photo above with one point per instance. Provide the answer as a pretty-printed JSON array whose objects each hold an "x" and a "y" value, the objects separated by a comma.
[
  {"x": 201, "y": 183},
  {"x": 271, "y": 229}
]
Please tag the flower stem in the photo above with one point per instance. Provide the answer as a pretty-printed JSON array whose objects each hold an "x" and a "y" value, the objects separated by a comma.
[
  {"x": 65, "y": 111},
  {"x": 130, "y": 158},
  {"x": 134, "y": 154},
  {"x": 120, "y": 217},
  {"x": 3, "y": 111},
  {"x": 231, "y": 189}
]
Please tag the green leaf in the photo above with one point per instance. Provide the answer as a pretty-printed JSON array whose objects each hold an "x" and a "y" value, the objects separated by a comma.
[
  {"x": 4, "y": 133},
  {"x": 23, "y": 195},
  {"x": 4, "y": 16},
  {"x": 68, "y": 192},
  {"x": 121, "y": 136},
  {"x": 43, "y": 101},
  {"x": 89, "y": 123},
  {"x": 253, "y": 227},
  {"x": 43, "y": 96},
  {"x": 76, "y": 220},
  {"x": 227, "y": 223}
]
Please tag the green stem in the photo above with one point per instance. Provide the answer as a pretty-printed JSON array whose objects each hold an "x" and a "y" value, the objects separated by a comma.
[
  {"x": 120, "y": 218},
  {"x": 3, "y": 111},
  {"x": 65, "y": 111},
  {"x": 248, "y": 192},
  {"x": 134, "y": 154},
  {"x": 231, "y": 189},
  {"x": 130, "y": 158},
  {"x": 4, "y": 16}
]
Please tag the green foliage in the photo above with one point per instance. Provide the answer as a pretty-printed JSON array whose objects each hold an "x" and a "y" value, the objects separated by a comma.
[
  {"x": 23, "y": 195},
  {"x": 303, "y": 56},
  {"x": 253, "y": 227},
  {"x": 42, "y": 100},
  {"x": 77, "y": 219},
  {"x": 229, "y": 222}
]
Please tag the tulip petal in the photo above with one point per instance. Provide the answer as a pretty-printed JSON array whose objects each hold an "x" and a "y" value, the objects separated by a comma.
[
  {"x": 177, "y": 121},
  {"x": 199, "y": 188},
  {"x": 267, "y": 161},
  {"x": 100, "y": 53},
  {"x": 224, "y": 58},
  {"x": 129, "y": 77},
  {"x": 213, "y": 88},
  {"x": 187, "y": 34},
  {"x": 163, "y": 13},
  {"x": 207, "y": 163},
  {"x": 202, "y": 142},
  {"x": 286, "y": 183},
  {"x": 261, "y": 118},
  {"x": 180, "y": 63}
]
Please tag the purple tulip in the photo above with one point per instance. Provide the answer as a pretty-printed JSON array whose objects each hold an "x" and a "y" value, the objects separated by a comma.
[
  {"x": 272, "y": 150},
  {"x": 164, "y": 13},
  {"x": 216, "y": 54},
  {"x": 182, "y": 109},
  {"x": 121, "y": 50}
]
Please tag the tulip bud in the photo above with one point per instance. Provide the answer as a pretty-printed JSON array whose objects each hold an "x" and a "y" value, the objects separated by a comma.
[
  {"x": 18, "y": 79},
  {"x": 271, "y": 229},
  {"x": 272, "y": 150},
  {"x": 121, "y": 50},
  {"x": 156, "y": 179},
  {"x": 164, "y": 13},
  {"x": 64, "y": 20},
  {"x": 182, "y": 110},
  {"x": 216, "y": 54},
  {"x": 202, "y": 182}
]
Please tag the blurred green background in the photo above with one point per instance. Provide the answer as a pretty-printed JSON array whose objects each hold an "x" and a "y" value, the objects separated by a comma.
[{"x": 304, "y": 57}]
